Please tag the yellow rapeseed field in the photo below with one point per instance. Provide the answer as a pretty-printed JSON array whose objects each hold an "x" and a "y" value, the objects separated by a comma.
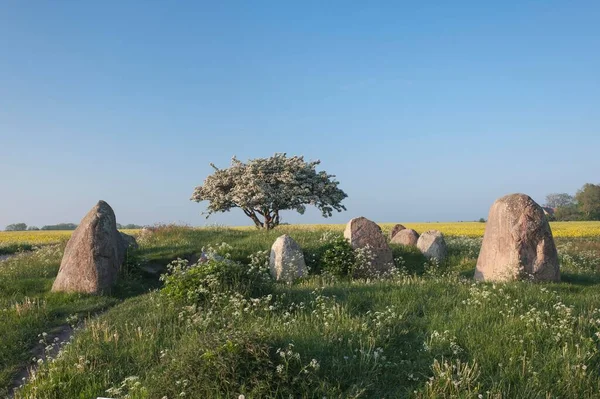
[
  {"x": 475, "y": 229},
  {"x": 470, "y": 229},
  {"x": 40, "y": 237}
]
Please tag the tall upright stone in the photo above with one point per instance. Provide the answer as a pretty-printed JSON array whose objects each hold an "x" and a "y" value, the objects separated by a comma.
[
  {"x": 287, "y": 260},
  {"x": 433, "y": 245},
  {"x": 94, "y": 254},
  {"x": 517, "y": 243},
  {"x": 361, "y": 232}
]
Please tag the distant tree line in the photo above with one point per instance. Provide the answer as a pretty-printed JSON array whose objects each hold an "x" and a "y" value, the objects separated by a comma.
[
  {"x": 16, "y": 227},
  {"x": 584, "y": 205},
  {"x": 60, "y": 226}
]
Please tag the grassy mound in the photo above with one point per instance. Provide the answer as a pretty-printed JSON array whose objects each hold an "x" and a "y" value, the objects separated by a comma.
[{"x": 426, "y": 331}]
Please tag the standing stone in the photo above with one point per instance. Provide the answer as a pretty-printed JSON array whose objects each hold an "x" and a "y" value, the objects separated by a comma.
[
  {"x": 287, "y": 261},
  {"x": 396, "y": 229},
  {"x": 517, "y": 243},
  {"x": 128, "y": 242},
  {"x": 406, "y": 237},
  {"x": 361, "y": 232},
  {"x": 432, "y": 245},
  {"x": 94, "y": 254}
]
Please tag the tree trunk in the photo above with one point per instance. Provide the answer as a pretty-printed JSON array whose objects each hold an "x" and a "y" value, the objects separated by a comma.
[
  {"x": 268, "y": 221},
  {"x": 271, "y": 219},
  {"x": 252, "y": 215}
]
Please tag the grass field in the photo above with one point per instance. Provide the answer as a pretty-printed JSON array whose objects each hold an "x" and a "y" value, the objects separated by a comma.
[
  {"x": 425, "y": 331},
  {"x": 26, "y": 239}
]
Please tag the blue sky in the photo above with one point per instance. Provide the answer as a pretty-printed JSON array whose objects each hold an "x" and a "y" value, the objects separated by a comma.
[{"x": 425, "y": 112}]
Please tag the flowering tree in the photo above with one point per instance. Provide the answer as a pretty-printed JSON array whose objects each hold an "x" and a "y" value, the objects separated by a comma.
[
  {"x": 559, "y": 200},
  {"x": 265, "y": 186}
]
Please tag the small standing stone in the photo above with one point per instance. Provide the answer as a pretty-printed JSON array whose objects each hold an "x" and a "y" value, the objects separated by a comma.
[
  {"x": 128, "y": 242},
  {"x": 287, "y": 260},
  {"x": 517, "y": 243},
  {"x": 396, "y": 229},
  {"x": 361, "y": 232},
  {"x": 406, "y": 237},
  {"x": 432, "y": 245}
]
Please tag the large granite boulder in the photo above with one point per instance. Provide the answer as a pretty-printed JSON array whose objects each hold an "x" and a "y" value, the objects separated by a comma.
[
  {"x": 287, "y": 260},
  {"x": 94, "y": 254},
  {"x": 396, "y": 229},
  {"x": 433, "y": 245},
  {"x": 405, "y": 237},
  {"x": 361, "y": 232},
  {"x": 517, "y": 243}
]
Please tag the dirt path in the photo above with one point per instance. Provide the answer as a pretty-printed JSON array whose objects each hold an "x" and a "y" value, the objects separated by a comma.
[
  {"x": 4, "y": 257},
  {"x": 59, "y": 336}
]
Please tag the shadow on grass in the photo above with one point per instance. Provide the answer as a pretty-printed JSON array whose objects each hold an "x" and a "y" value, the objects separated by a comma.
[
  {"x": 573, "y": 279},
  {"x": 414, "y": 261},
  {"x": 580, "y": 279},
  {"x": 31, "y": 286},
  {"x": 468, "y": 274},
  {"x": 135, "y": 286}
]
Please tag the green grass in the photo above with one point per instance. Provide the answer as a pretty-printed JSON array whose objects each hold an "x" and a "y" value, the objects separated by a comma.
[
  {"x": 13, "y": 248},
  {"x": 428, "y": 331},
  {"x": 28, "y": 308}
]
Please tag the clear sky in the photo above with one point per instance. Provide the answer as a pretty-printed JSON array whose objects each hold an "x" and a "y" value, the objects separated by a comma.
[{"x": 425, "y": 111}]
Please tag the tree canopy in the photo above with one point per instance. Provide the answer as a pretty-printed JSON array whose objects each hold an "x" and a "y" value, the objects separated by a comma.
[
  {"x": 557, "y": 200},
  {"x": 264, "y": 187},
  {"x": 588, "y": 198},
  {"x": 16, "y": 227},
  {"x": 585, "y": 205}
]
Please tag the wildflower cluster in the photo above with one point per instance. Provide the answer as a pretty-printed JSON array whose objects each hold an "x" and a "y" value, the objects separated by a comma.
[
  {"x": 575, "y": 257},
  {"x": 215, "y": 274},
  {"x": 443, "y": 343},
  {"x": 130, "y": 388},
  {"x": 467, "y": 247},
  {"x": 290, "y": 365},
  {"x": 454, "y": 379}
]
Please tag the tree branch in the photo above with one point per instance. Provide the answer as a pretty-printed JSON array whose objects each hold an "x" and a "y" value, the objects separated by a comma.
[{"x": 250, "y": 213}]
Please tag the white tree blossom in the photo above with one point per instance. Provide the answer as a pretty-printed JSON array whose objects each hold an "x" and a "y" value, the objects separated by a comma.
[
  {"x": 265, "y": 186},
  {"x": 558, "y": 200}
]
